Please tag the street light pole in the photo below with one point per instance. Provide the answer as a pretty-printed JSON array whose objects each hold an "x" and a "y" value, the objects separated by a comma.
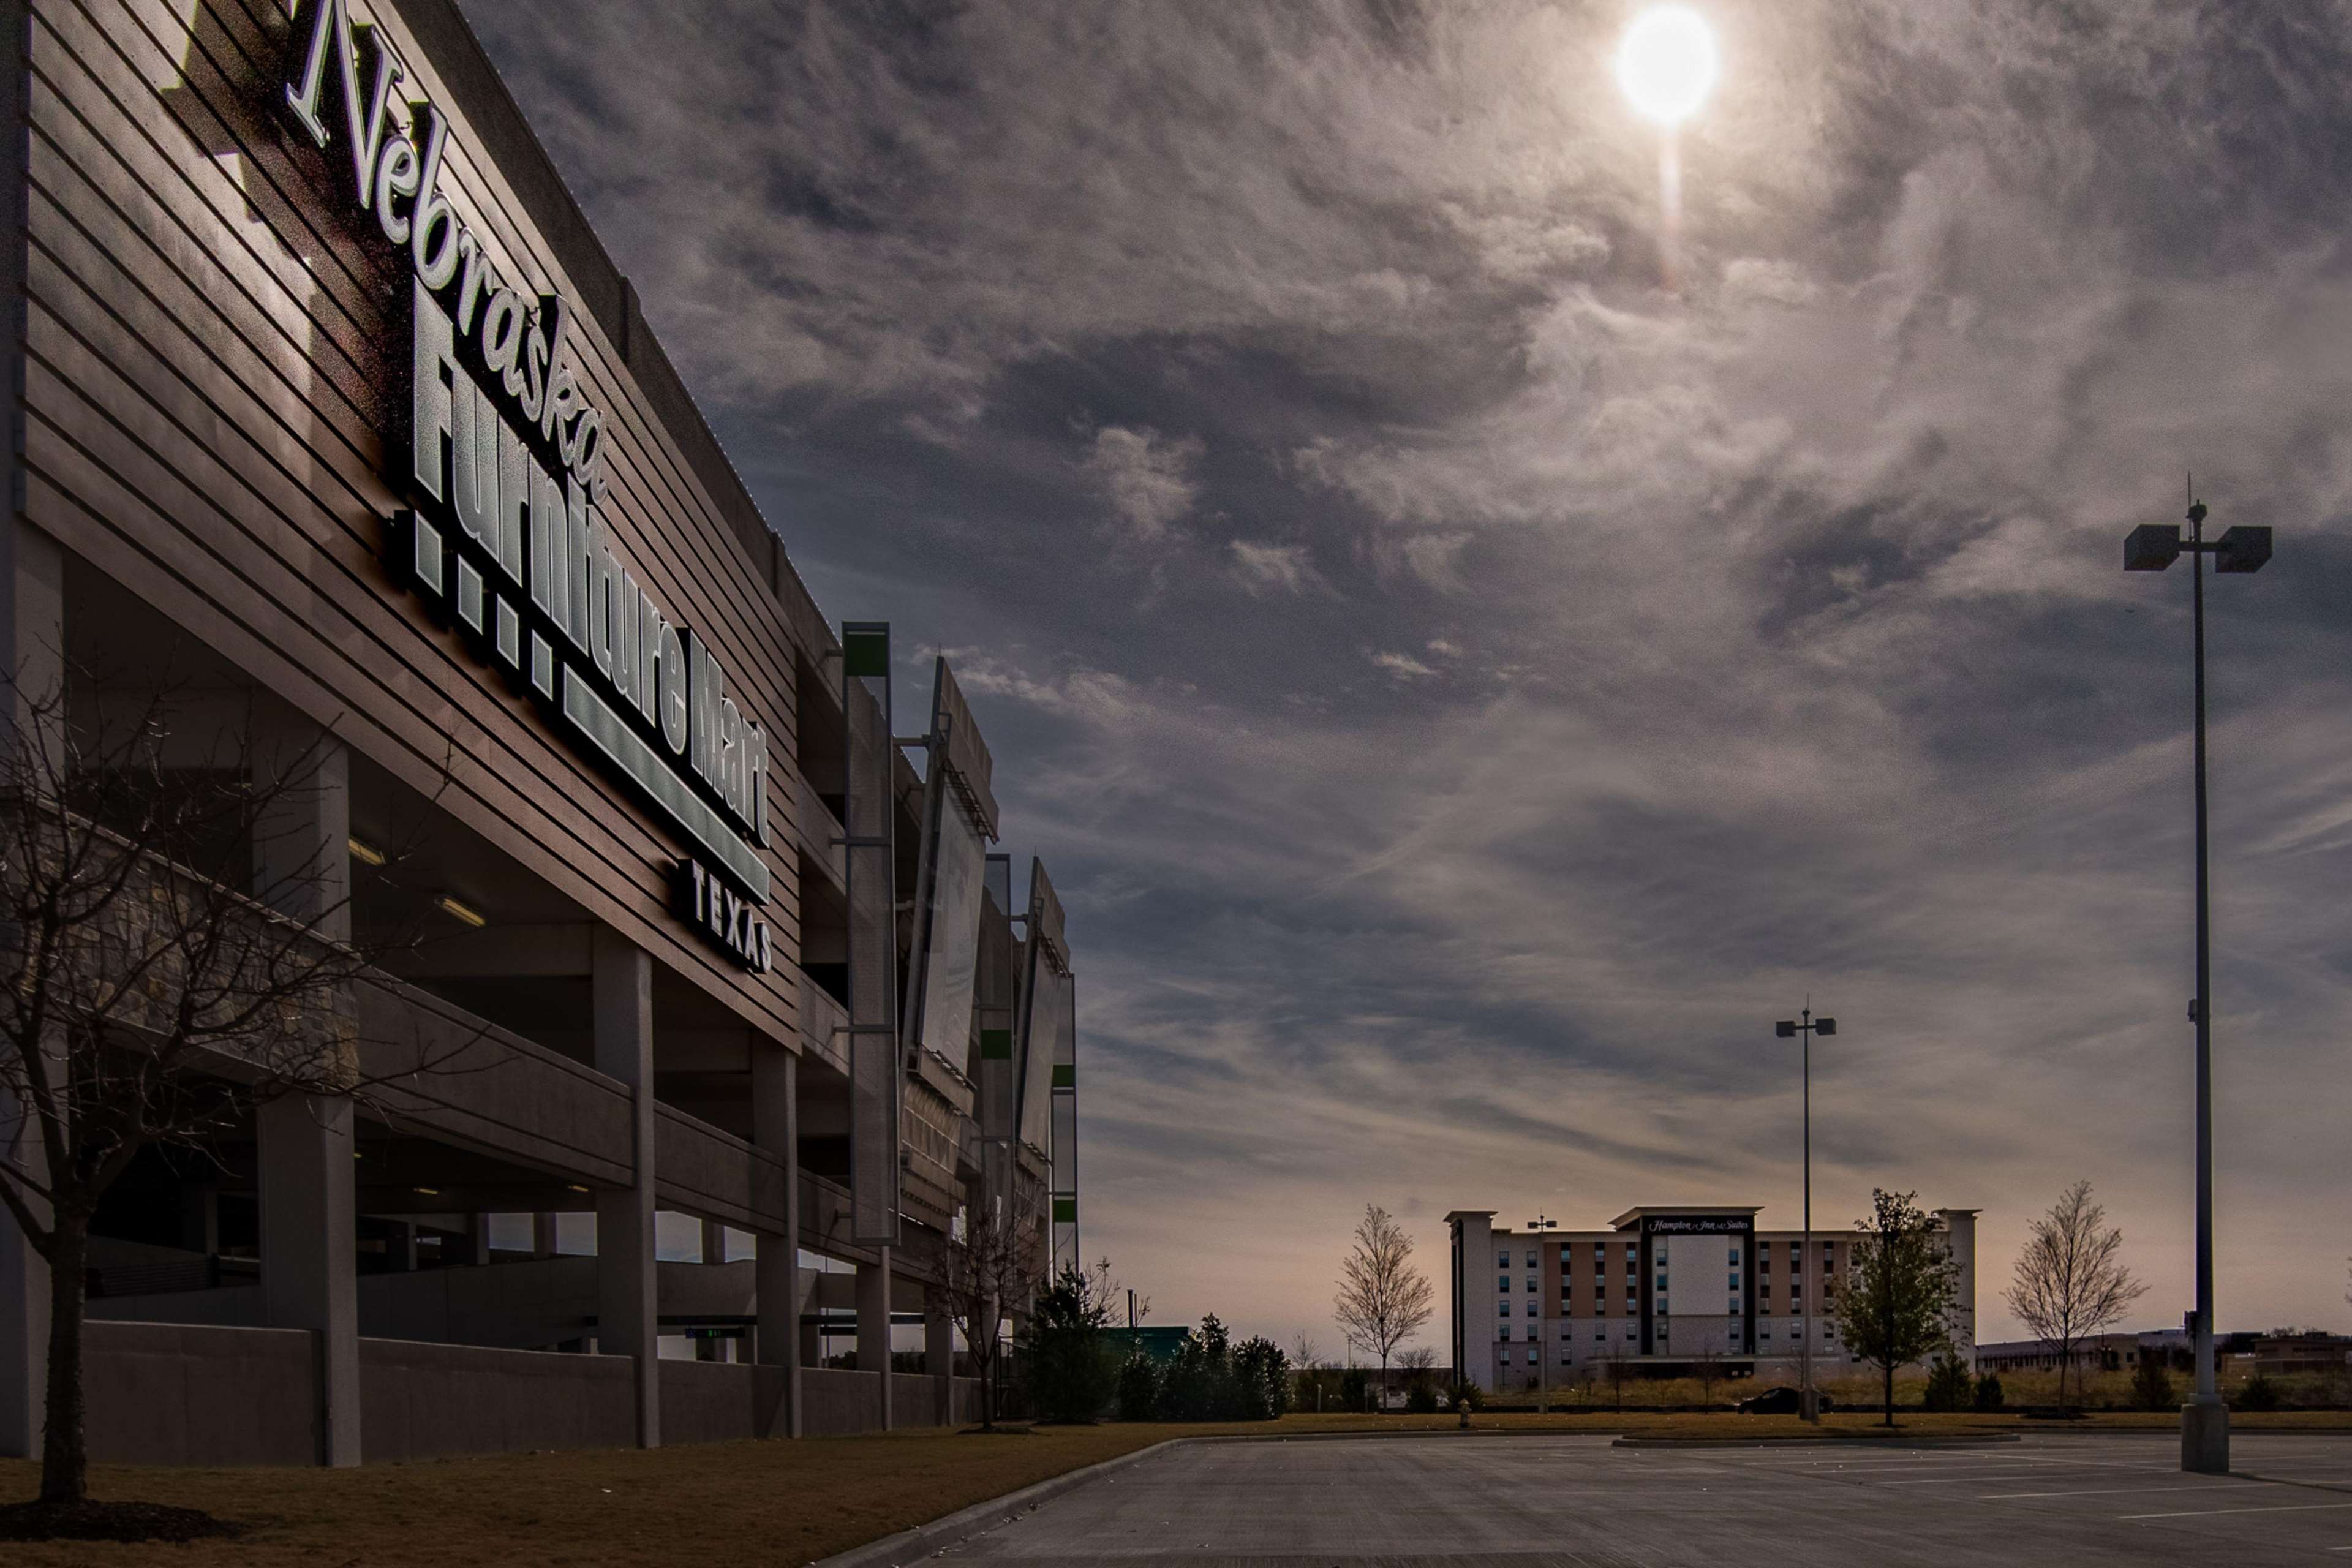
[
  {"x": 1808, "y": 1402},
  {"x": 2152, "y": 547}
]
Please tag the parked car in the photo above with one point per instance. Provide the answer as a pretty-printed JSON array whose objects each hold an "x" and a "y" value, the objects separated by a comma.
[{"x": 1780, "y": 1400}]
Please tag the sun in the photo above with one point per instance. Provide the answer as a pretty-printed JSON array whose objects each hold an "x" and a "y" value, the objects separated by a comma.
[{"x": 1669, "y": 63}]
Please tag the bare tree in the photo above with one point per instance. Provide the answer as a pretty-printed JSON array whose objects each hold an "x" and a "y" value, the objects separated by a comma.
[
  {"x": 2069, "y": 1282},
  {"x": 988, "y": 1261},
  {"x": 1708, "y": 1364},
  {"x": 1107, "y": 1296},
  {"x": 1383, "y": 1300},
  {"x": 174, "y": 954}
]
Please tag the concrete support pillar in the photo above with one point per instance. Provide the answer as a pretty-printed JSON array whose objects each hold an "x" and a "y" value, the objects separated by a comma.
[
  {"x": 776, "y": 1129},
  {"x": 938, "y": 1352},
  {"x": 24, "y": 1297},
  {"x": 627, "y": 1322},
  {"x": 478, "y": 1239},
  {"x": 714, "y": 1242},
  {"x": 31, "y": 649},
  {"x": 307, "y": 1242},
  {"x": 874, "y": 1324},
  {"x": 400, "y": 1247},
  {"x": 301, "y": 867},
  {"x": 200, "y": 1217},
  {"x": 542, "y": 1235}
]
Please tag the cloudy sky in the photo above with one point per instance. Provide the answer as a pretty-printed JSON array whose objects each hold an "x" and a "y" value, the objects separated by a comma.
[{"x": 1467, "y": 693}]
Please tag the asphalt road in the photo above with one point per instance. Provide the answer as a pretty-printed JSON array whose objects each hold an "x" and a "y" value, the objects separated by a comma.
[{"x": 1526, "y": 1500}]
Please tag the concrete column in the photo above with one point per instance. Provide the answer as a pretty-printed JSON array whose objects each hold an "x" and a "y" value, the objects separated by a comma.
[
  {"x": 938, "y": 1352},
  {"x": 200, "y": 1217},
  {"x": 31, "y": 649},
  {"x": 542, "y": 1235},
  {"x": 478, "y": 1239},
  {"x": 24, "y": 1296},
  {"x": 301, "y": 867},
  {"x": 627, "y": 1322},
  {"x": 307, "y": 1242},
  {"x": 714, "y": 1242},
  {"x": 776, "y": 1128},
  {"x": 874, "y": 1324}
]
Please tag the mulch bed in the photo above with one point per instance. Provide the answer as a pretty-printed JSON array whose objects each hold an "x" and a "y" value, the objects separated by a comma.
[{"x": 91, "y": 1519}]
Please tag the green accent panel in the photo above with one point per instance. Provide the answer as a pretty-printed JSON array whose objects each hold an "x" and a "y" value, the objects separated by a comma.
[
  {"x": 1066, "y": 1076},
  {"x": 1065, "y": 1211},
  {"x": 996, "y": 1044},
  {"x": 866, "y": 654}
]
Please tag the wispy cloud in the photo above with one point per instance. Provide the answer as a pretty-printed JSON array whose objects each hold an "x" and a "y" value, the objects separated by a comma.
[
  {"x": 1598, "y": 672},
  {"x": 1147, "y": 477}
]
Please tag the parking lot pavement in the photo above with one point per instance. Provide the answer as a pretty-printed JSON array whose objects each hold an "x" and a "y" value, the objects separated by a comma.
[{"x": 1462, "y": 1501}]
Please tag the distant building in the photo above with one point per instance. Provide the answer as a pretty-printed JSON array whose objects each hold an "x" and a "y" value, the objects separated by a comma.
[
  {"x": 1660, "y": 1292},
  {"x": 2240, "y": 1353}
]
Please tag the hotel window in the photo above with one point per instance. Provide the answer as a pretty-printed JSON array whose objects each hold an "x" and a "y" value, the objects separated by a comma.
[
  {"x": 1504, "y": 1284},
  {"x": 1732, "y": 1310},
  {"x": 1502, "y": 1260},
  {"x": 1506, "y": 1309},
  {"x": 1632, "y": 1266},
  {"x": 1601, "y": 1334},
  {"x": 1735, "y": 1258},
  {"x": 1531, "y": 1284},
  {"x": 1630, "y": 1296},
  {"x": 1734, "y": 1279},
  {"x": 1532, "y": 1357}
]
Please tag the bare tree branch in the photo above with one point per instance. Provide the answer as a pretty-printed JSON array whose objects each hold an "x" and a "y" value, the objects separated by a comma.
[
  {"x": 1383, "y": 1300},
  {"x": 2070, "y": 1282}
]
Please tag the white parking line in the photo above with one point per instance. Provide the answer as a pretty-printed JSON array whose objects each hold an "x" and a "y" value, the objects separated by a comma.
[
  {"x": 2090, "y": 1491},
  {"x": 2208, "y": 1512}
]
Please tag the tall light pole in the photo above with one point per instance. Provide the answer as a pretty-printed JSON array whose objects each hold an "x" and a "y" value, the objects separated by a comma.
[
  {"x": 1808, "y": 1402},
  {"x": 2152, "y": 547}
]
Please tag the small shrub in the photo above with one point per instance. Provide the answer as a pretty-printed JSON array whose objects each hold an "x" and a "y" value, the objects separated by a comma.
[
  {"x": 1356, "y": 1392},
  {"x": 1139, "y": 1388},
  {"x": 1948, "y": 1385},
  {"x": 1464, "y": 1393},
  {"x": 1988, "y": 1394},
  {"x": 2151, "y": 1386},
  {"x": 2258, "y": 1393},
  {"x": 1421, "y": 1399}
]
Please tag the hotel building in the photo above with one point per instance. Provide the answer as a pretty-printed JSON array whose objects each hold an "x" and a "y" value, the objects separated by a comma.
[
  {"x": 1657, "y": 1293},
  {"x": 333, "y": 417}
]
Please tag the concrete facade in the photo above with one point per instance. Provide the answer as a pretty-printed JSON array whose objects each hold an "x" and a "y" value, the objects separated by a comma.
[
  {"x": 1659, "y": 1292},
  {"x": 579, "y": 750}
]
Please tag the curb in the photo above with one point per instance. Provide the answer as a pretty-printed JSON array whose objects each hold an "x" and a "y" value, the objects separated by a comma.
[
  {"x": 1971, "y": 1440},
  {"x": 928, "y": 1540}
]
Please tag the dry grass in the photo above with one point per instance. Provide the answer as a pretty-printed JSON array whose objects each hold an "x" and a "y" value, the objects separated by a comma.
[{"x": 765, "y": 1503}]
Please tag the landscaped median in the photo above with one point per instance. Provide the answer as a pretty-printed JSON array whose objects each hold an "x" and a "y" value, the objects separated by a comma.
[{"x": 779, "y": 1502}]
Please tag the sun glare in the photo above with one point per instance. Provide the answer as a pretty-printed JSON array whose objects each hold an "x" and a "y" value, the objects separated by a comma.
[{"x": 1667, "y": 64}]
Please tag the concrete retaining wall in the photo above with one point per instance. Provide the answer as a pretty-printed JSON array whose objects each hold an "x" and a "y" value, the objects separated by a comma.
[
  {"x": 834, "y": 1403},
  {"x": 179, "y": 1394},
  {"x": 915, "y": 1400},
  {"x": 418, "y": 1401},
  {"x": 714, "y": 1402}
]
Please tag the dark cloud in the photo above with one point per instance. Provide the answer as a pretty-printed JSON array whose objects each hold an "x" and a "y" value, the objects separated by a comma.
[{"x": 1465, "y": 693}]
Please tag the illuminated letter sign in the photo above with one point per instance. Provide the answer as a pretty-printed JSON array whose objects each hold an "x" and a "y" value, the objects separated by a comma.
[{"x": 503, "y": 458}]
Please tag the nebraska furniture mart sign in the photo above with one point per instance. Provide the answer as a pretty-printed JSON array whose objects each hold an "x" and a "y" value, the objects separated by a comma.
[{"x": 504, "y": 460}]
